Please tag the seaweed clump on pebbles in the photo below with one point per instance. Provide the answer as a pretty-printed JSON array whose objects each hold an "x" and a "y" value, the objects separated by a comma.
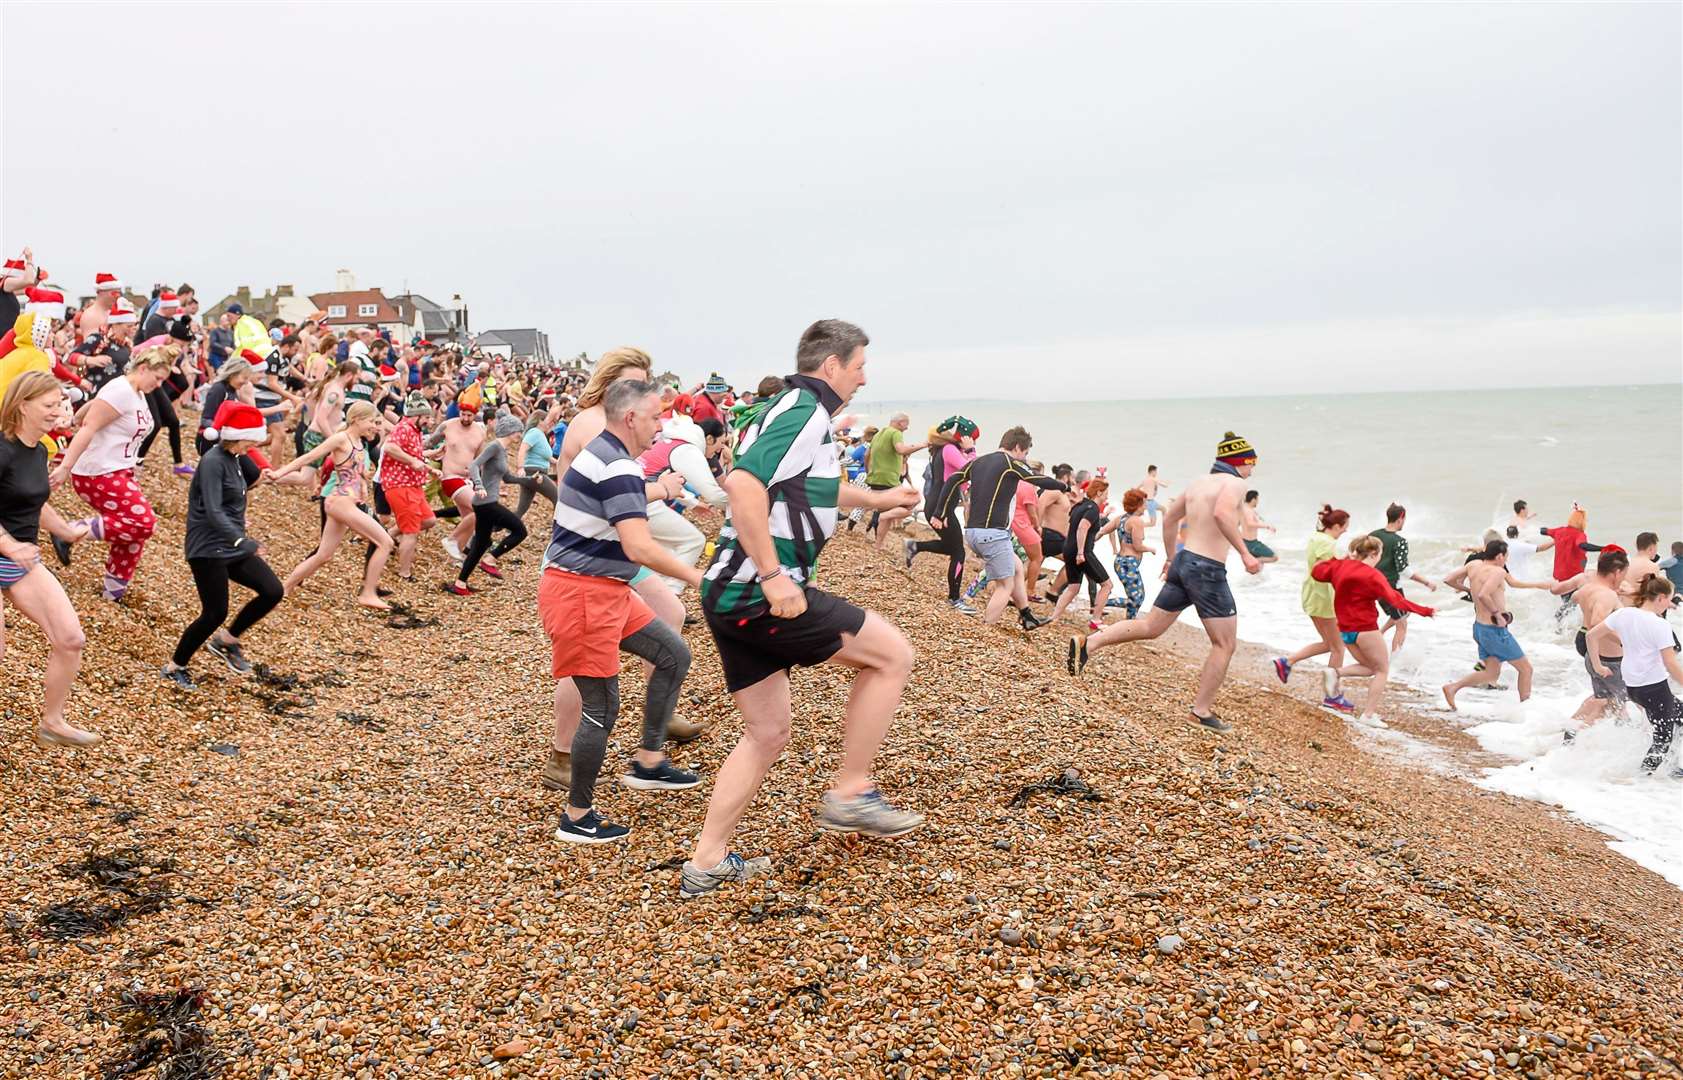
[{"x": 164, "y": 1033}]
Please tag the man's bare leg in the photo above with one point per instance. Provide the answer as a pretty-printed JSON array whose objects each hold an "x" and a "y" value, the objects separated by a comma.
[
  {"x": 886, "y": 522},
  {"x": 765, "y": 732},
  {"x": 1153, "y": 625},
  {"x": 1224, "y": 638},
  {"x": 999, "y": 595},
  {"x": 1492, "y": 669},
  {"x": 1523, "y": 666},
  {"x": 883, "y": 658}
]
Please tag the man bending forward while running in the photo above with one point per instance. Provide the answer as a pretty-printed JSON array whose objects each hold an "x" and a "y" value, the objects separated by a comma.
[
  {"x": 766, "y": 617},
  {"x": 1197, "y": 577}
]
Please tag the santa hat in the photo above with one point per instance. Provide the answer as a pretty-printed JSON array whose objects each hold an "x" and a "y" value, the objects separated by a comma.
[
  {"x": 102, "y": 282},
  {"x": 14, "y": 268},
  {"x": 168, "y": 304},
  {"x": 122, "y": 312},
  {"x": 388, "y": 373},
  {"x": 44, "y": 301},
  {"x": 236, "y": 420},
  {"x": 258, "y": 363}
]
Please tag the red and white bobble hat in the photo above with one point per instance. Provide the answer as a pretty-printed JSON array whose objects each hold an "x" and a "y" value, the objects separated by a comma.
[
  {"x": 45, "y": 301},
  {"x": 122, "y": 312},
  {"x": 259, "y": 364},
  {"x": 236, "y": 421},
  {"x": 168, "y": 303},
  {"x": 102, "y": 282}
]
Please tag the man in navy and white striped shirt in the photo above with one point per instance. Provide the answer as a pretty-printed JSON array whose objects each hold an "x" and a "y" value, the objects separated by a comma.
[{"x": 601, "y": 537}]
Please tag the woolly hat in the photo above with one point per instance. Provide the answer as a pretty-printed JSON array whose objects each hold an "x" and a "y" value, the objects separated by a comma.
[
  {"x": 716, "y": 384},
  {"x": 168, "y": 303},
  {"x": 235, "y": 309},
  {"x": 416, "y": 404},
  {"x": 509, "y": 424},
  {"x": 181, "y": 329},
  {"x": 1235, "y": 450},
  {"x": 104, "y": 282},
  {"x": 236, "y": 420},
  {"x": 122, "y": 312}
]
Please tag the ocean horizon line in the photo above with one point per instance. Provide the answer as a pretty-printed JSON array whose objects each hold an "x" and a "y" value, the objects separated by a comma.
[{"x": 1417, "y": 391}]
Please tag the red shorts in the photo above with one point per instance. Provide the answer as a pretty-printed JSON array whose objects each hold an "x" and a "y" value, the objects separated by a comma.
[
  {"x": 450, "y": 485},
  {"x": 409, "y": 506},
  {"x": 586, "y": 618}
]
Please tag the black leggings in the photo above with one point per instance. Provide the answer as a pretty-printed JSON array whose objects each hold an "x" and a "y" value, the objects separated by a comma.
[
  {"x": 163, "y": 416},
  {"x": 487, "y": 519},
  {"x": 661, "y": 646},
  {"x": 211, "y": 576},
  {"x": 1664, "y": 710},
  {"x": 949, "y": 542},
  {"x": 535, "y": 482}
]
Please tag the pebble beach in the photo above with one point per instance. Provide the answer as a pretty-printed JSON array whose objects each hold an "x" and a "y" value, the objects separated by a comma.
[{"x": 344, "y": 866}]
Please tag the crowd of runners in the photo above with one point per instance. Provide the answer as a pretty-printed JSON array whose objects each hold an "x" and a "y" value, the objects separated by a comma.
[{"x": 394, "y": 439}]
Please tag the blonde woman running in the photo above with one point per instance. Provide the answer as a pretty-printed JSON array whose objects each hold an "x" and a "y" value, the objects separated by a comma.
[{"x": 346, "y": 490}]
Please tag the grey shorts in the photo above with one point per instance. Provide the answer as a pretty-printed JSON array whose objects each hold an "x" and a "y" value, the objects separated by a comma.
[
  {"x": 1199, "y": 583},
  {"x": 994, "y": 548},
  {"x": 1608, "y": 687}
]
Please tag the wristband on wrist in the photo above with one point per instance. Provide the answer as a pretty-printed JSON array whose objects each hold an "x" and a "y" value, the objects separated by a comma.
[{"x": 775, "y": 573}]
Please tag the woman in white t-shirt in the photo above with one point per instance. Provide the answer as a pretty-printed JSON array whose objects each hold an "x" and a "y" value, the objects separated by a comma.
[
  {"x": 1650, "y": 655},
  {"x": 100, "y": 463}
]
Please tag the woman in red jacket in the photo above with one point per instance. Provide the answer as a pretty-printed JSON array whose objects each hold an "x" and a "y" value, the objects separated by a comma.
[{"x": 1357, "y": 588}]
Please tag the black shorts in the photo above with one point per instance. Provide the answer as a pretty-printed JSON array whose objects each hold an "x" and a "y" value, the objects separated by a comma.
[
  {"x": 1390, "y": 611},
  {"x": 1197, "y": 582},
  {"x": 755, "y": 644},
  {"x": 1088, "y": 569},
  {"x": 382, "y": 508},
  {"x": 1052, "y": 540}
]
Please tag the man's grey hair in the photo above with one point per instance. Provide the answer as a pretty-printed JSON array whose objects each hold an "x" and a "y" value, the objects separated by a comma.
[
  {"x": 897, "y": 417},
  {"x": 623, "y": 396}
]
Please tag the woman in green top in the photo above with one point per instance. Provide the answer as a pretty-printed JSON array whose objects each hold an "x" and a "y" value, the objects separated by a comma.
[{"x": 1317, "y": 604}]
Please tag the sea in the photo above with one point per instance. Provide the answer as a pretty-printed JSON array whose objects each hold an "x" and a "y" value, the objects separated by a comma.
[{"x": 1457, "y": 460}]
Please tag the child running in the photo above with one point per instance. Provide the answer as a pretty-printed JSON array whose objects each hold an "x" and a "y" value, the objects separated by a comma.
[
  {"x": 343, "y": 496},
  {"x": 1358, "y": 587}
]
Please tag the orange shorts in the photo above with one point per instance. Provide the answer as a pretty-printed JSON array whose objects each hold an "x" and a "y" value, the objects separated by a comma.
[
  {"x": 409, "y": 506},
  {"x": 586, "y": 618}
]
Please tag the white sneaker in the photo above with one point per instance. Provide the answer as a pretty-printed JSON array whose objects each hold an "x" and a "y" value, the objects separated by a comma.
[
  {"x": 1329, "y": 682},
  {"x": 451, "y": 548},
  {"x": 1371, "y": 720}
]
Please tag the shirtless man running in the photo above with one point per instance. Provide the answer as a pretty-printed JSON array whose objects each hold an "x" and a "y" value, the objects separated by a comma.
[
  {"x": 462, "y": 439},
  {"x": 1197, "y": 577},
  {"x": 1487, "y": 579},
  {"x": 94, "y": 318},
  {"x": 1597, "y": 596},
  {"x": 1251, "y": 526},
  {"x": 1055, "y": 506},
  {"x": 1151, "y": 486}
]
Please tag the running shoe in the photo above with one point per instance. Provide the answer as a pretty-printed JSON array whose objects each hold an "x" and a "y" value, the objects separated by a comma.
[
  {"x": 183, "y": 470},
  {"x": 964, "y": 609},
  {"x": 1329, "y": 682},
  {"x": 179, "y": 677},
  {"x": 229, "y": 654},
  {"x": 911, "y": 552},
  {"x": 1339, "y": 704},
  {"x": 589, "y": 829},
  {"x": 1028, "y": 620},
  {"x": 1371, "y": 720},
  {"x": 491, "y": 570},
  {"x": 61, "y": 551},
  {"x": 451, "y": 548},
  {"x": 1282, "y": 668},
  {"x": 663, "y": 777},
  {"x": 456, "y": 588},
  {"x": 868, "y": 813},
  {"x": 1211, "y": 723},
  {"x": 697, "y": 881},
  {"x": 1077, "y": 655}
]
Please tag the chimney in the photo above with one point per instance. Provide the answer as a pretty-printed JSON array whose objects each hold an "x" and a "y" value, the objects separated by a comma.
[
  {"x": 244, "y": 294},
  {"x": 344, "y": 281}
]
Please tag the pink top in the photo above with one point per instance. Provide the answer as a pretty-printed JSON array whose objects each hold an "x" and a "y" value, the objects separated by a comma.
[{"x": 1027, "y": 495}]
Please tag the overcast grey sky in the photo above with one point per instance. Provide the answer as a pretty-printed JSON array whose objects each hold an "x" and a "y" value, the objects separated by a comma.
[{"x": 1039, "y": 201}]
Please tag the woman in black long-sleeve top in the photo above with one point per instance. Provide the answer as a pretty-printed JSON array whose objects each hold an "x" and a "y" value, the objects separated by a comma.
[{"x": 218, "y": 549}]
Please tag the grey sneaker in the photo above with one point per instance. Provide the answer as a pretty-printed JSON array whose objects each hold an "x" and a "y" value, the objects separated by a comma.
[
  {"x": 964, "y": 609},
  {"x": 229, "y": 654},
  {"x": 1211, "y": 723},
  {"x": 179, "y": 677},
  {"x": 697, "y": 881},
  {"x": 868, "y": 813},
  {"x": 911, "y": 552}
]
